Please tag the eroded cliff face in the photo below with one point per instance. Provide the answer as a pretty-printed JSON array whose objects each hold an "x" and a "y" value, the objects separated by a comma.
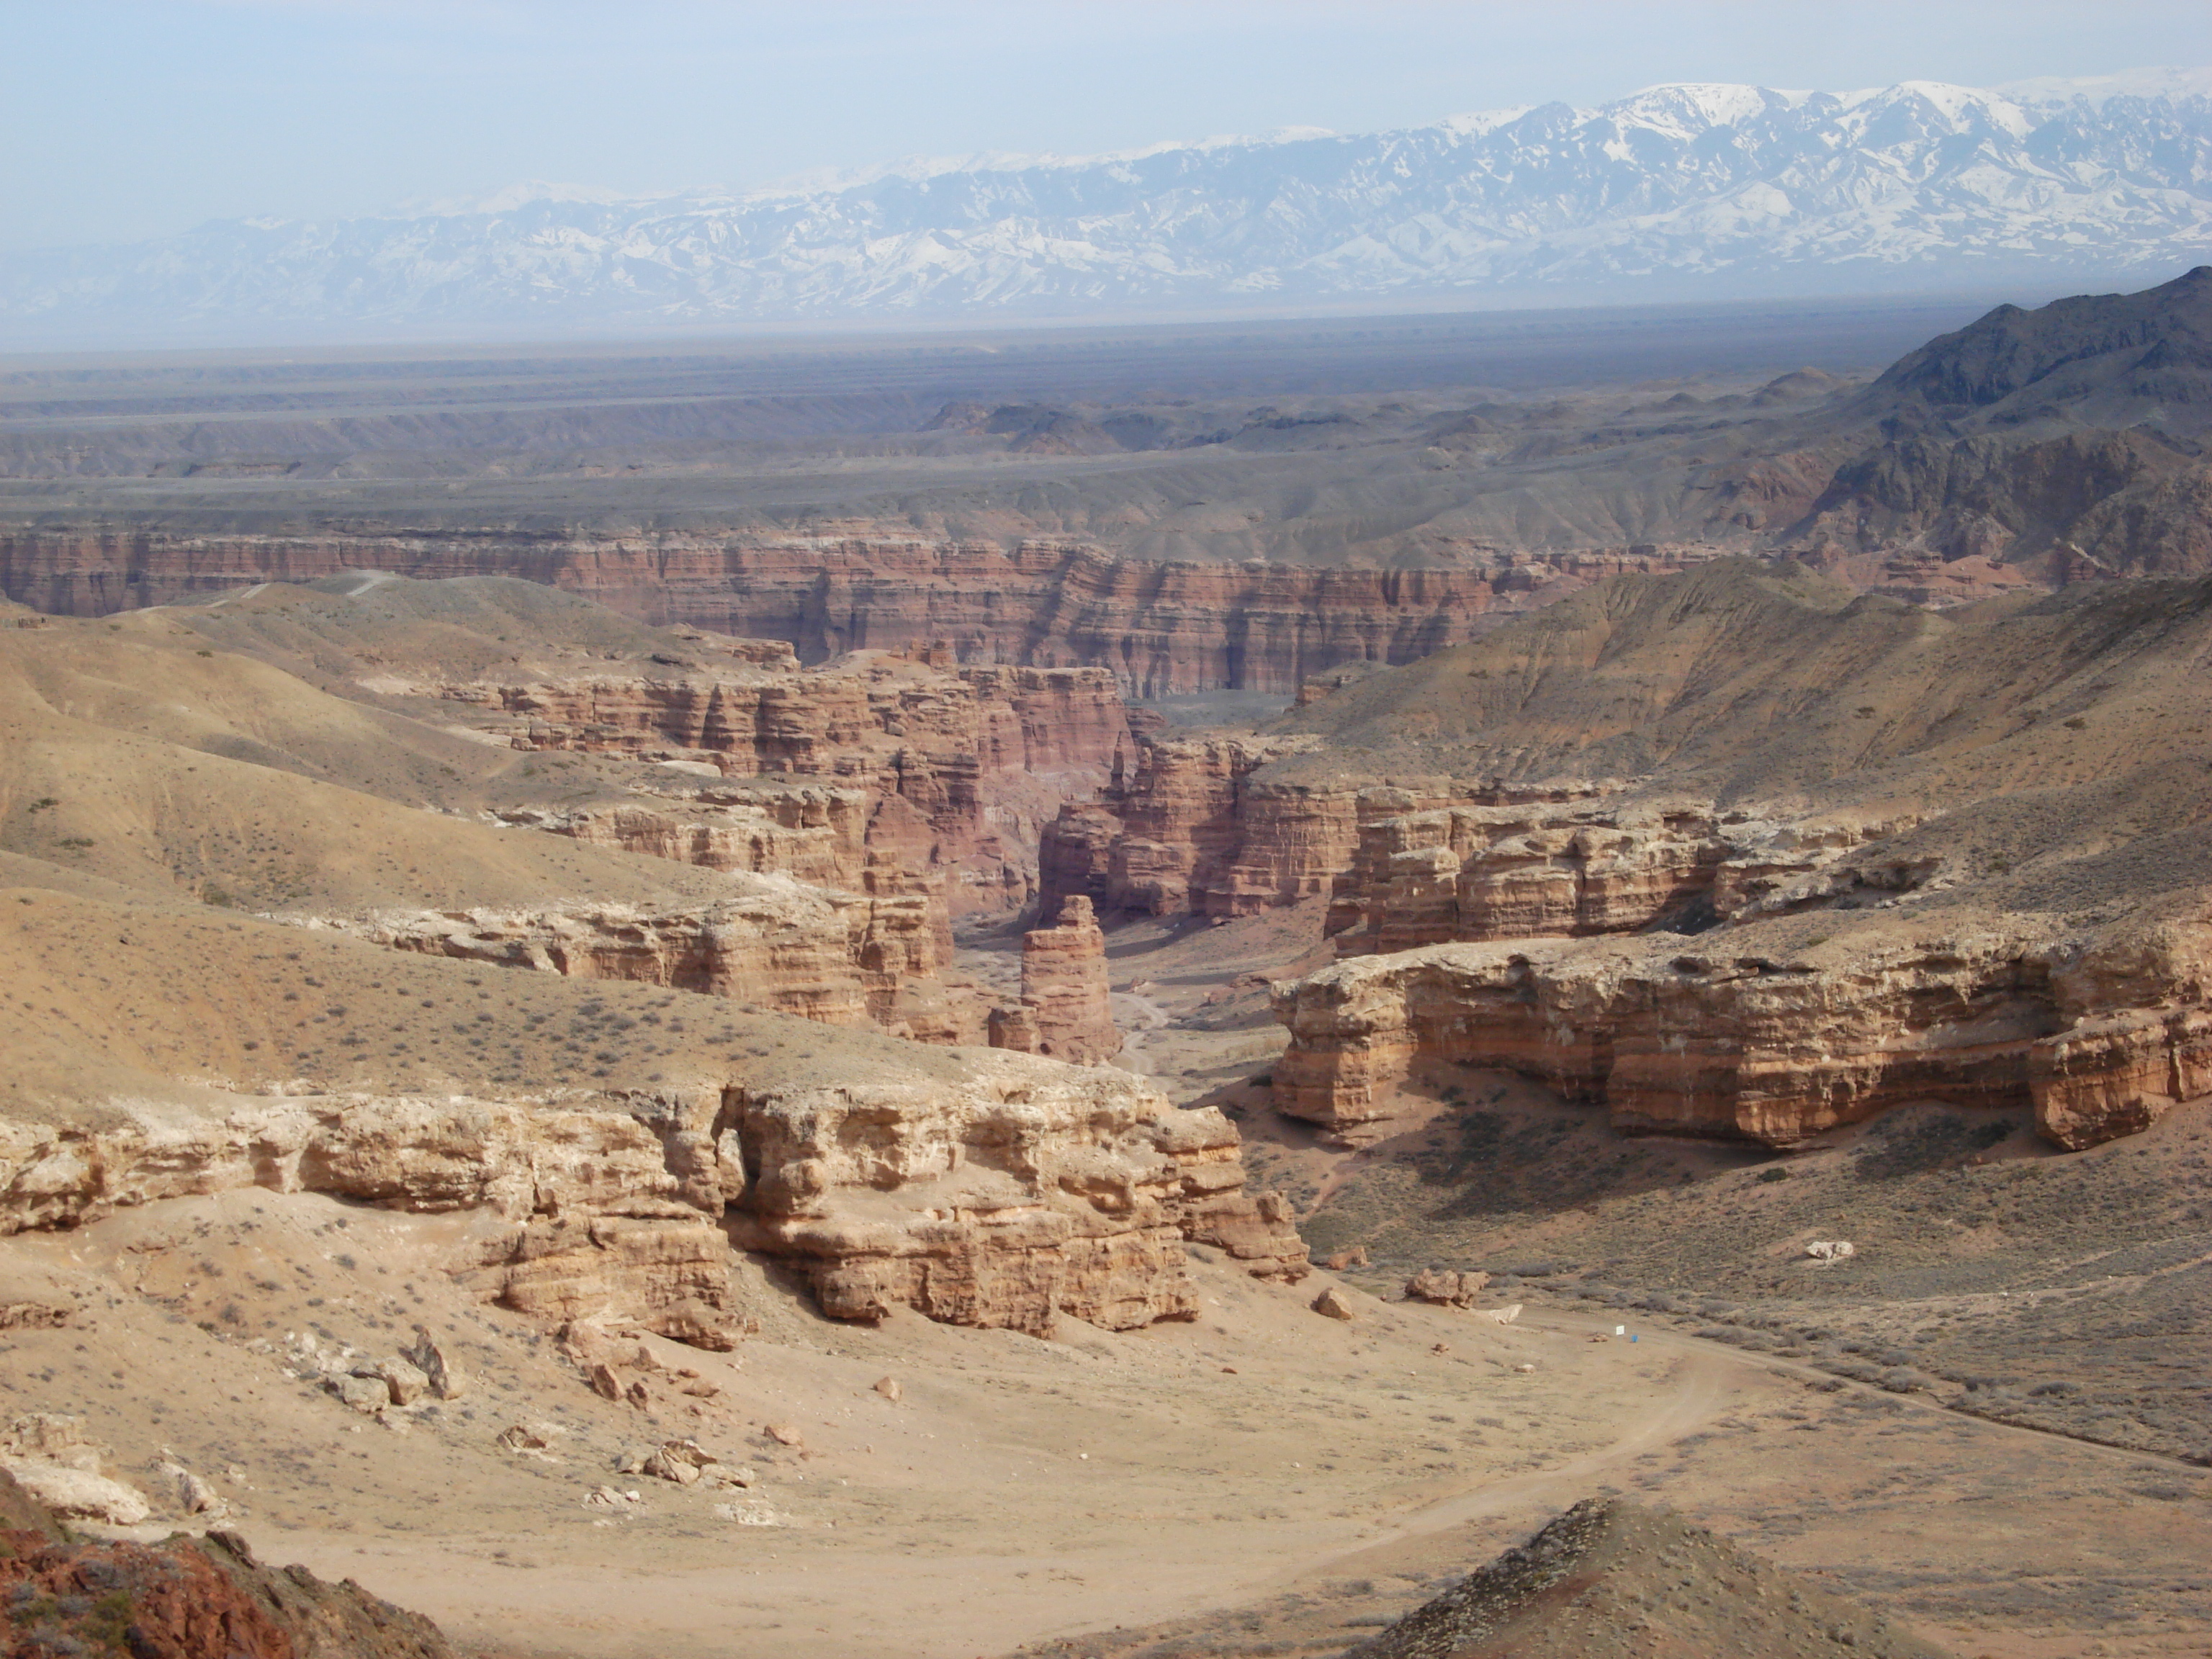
[
  {"x": 776, "y": 945},
  {"x": 1782, "y": 1030},
  {"x": 1573, "y": 861},
  {"x": 582, "y": 1212},
  {"x": 1065, "y": 1009},
  {"x": 1190, "y": 832},
  {"x": 958, "y": 768},
  {"x": 1162, "y": 628},
  {"x": 1031, "y": 1191},
  {"x": 1010, "y": 1192},
  {"x": 812, "y": 833}
]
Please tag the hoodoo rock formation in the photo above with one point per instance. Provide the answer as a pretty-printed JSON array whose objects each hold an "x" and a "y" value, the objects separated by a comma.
[
  {"x": 1161, "y": 628},
  {"x": 1066, "y": 1010}
]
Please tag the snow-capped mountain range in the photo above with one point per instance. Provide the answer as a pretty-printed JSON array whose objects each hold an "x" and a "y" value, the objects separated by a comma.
[{"x": 1677, "y": 192}]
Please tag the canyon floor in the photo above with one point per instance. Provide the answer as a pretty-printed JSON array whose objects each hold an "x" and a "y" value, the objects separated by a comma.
[{"x": 1260, "y": 1481}]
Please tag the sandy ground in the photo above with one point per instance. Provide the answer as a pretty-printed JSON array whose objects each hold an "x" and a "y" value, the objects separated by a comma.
[{"x": 1023, "y": 1491}]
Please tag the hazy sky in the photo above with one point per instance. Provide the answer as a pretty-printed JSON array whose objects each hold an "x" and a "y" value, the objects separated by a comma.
[{"x": 126, "y": 119}]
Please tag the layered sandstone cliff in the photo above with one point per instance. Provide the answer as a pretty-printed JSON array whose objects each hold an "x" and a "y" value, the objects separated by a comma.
[
  {"x": 1190, "y": 832},
  {"x": 1161, "y": 628},
  {"x": 1065, "y": 1009},
  {"x": 813, "y": 832},
  {"x": 775, "y": 945},
  {"x": 1005, "y": 1194},
  {"x": 960, "y": 767},
  {"x": 1780, "y": 1031},
  {"x": 1572, "y": 861},
  {"x": 1026, "y": 1192},
  {"x": 585, "y": 1214}
]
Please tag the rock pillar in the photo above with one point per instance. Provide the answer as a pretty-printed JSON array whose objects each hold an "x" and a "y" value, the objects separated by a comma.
[{"x": 1065, "y": 1011}]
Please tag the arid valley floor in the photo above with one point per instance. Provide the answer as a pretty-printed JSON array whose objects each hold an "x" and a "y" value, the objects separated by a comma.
[{"x": 855, "y": 1006}]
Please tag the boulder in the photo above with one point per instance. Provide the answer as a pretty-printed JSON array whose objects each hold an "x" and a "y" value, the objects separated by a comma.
[
  {"x": 405, "y": 1381},
  {"x": 1334, "y": 1304},
  {"x": 369, "y": 1394},
  {"x": 1445, "y": 1288},
  {"x": 432, "y": 1360},
  {"x": 193, "y": 1495}
]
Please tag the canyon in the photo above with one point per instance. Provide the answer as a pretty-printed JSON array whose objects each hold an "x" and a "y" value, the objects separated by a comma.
[
  {"x": 1125, "y": 1024},
  {"x": 1160, "y": 629},
  {"x": 1851, "y": 926}
]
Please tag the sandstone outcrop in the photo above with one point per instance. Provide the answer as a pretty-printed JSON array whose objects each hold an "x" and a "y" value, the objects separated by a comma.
[
  {"x": 1788, "y": 1030},
  {"x": 815, "y": 952},
  {"x": 960, "y": 767},
  {"x": 1162, "y": 628},
  {"x": 1023, "y": 1192},
  {"x": 590, "y": 1217},
  {"x": 993, "y": 1189},
  {"x": 810, "y": 832},
  {"x": 48, "y": 1456},
  {"x": 1445, "y": 1288},
  {"x": 1571, "y": 861},
  {"x": 1191, "y": 831},
  {"x": 1066, "y": 1011}
]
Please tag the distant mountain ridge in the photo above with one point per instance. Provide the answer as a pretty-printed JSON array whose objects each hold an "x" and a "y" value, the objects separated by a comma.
[{"x": 1679, "y": 191}]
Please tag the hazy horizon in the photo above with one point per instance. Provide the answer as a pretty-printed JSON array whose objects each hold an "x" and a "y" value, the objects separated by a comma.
[{"x": 325, "y": 109}]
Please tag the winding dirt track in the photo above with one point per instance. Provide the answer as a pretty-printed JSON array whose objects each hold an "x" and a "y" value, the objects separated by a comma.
[{"x": 1677, "y": 1342}]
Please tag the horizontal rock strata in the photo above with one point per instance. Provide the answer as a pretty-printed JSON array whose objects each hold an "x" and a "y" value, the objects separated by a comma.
[
  {"x": 1774, "y": 1040},
  {"x": 1026, "y": 1192},
  {"x": 1066, "y": 1010},
  {"x": 776, "y": 946},
  {"x": 1188, "y": 830},
  {"x": 1162, "y": 628},
  {"x": 1004, "y": 1193},
  {"x": 589, "y": 1216},
  {"x": 960, "y": 767},
  {"x": 1569, "y": 862},
  {"x": 810, "y": 832}
]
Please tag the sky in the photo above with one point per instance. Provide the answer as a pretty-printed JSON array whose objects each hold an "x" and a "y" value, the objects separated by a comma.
[{"x": 126, "y": 120}]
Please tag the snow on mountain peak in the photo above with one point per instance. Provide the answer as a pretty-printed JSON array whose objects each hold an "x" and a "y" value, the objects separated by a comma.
[
  {"x": 1922, "y": 184},
  {"x": 2096, "y": 89}
]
